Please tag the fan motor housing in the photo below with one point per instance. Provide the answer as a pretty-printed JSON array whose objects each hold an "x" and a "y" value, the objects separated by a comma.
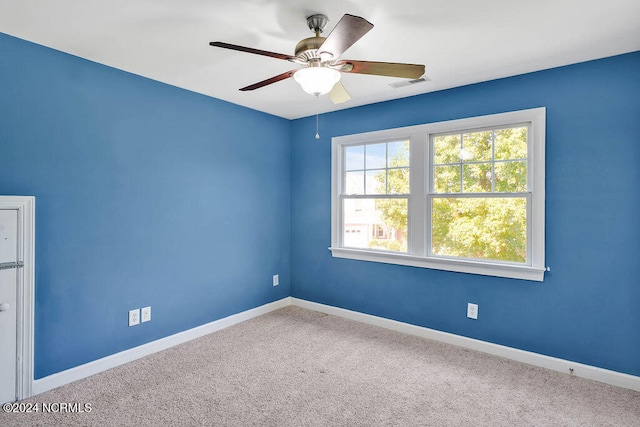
[{"x": 307, "y": 49}]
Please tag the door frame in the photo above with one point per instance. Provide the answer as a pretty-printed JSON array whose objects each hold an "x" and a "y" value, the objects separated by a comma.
[{"x": 25, "y": 205}]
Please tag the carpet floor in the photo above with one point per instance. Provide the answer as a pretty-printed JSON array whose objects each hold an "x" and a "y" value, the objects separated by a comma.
[{"x": 296, "y": 367}]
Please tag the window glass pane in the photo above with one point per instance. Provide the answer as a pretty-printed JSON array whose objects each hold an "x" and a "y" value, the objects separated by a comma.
[
  {"x": 398, "y": 154},
  {"x": 511, "y": 177},
  {"x": 354, "y": 182},
  {"x": 375, "y": 224},
  {"x": 511, "y": 143},
  {"x": 446, "y": 179},
  {"x": 376, "y": 182},
  {"x": 476, "y": 178},
  {"x": 476, "y": 146},
  {"x": 376, "y": 155},
  {"x": 446, "y": 149},
  {"x": 354, "y": 158},
  {"x": 398, "y": 181},
  {"x": 480, "y": 228}
]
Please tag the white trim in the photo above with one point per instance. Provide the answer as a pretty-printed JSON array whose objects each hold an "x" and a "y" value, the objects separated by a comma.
[
  {"x": 585, "y": 371},
  {"x": 555, "y": 364},
  {"x": 79, "y": 372},
  {"x": 513, "y": 271},
  {"x": 419, "y": 218},
  {"x": 25, "y": 205},
  {"x": 417, "y": 185}
]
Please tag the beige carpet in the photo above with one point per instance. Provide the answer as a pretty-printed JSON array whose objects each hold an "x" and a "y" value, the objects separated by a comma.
[{"x": 295, "y": 367}]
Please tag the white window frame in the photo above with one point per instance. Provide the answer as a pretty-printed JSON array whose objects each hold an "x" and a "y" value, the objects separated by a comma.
[{"x": 419, "y": 235}]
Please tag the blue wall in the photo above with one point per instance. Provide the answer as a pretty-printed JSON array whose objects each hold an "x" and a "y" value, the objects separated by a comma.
[
  {"x": 586, "y": 310},
  {"x": 152, "y": 195},
  {"x": 145, "y": 195}
]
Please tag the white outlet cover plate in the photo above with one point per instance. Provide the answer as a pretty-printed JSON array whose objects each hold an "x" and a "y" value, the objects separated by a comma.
[
  {"x": 276, "y": 280},
  {"x": 146, "y": 314},
  {"x": 134, "y": 317},
  {"x": 472, "y": 311}
]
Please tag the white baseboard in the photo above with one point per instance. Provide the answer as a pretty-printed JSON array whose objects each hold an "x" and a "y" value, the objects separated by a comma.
[
  {"x": 585, "y": 371},
  {"x": 70, "y": 375},
  {"x": 578, "y": 369}
]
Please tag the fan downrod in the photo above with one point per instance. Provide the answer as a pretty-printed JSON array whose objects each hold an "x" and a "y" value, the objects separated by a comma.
[{"x": 317, "y": 23}]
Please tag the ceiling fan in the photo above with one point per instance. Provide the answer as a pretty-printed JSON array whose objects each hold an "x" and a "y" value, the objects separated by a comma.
[{"x": 320, "y": 57}]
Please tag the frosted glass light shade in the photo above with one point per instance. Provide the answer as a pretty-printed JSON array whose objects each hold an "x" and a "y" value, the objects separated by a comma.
[{"x": 317, "y": 80}]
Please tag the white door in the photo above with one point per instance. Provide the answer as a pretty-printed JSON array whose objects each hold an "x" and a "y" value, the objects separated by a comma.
[{"x": 8, "y": 303}]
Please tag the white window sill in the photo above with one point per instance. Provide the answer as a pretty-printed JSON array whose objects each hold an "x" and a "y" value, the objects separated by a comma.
[{"x": 511, "y": 271}]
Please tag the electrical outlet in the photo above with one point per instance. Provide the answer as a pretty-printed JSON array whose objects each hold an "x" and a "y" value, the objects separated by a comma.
[
  {"x": 472, "y": 311},
  {"x": 134, "y": 317},
  {"x": 145, "y": 314},
  {"x": 276, "y": 280}
]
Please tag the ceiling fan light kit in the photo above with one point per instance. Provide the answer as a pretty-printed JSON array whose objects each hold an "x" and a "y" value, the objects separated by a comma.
[
  {"x": 317, "y": 80},
  {"x": 319, "y": 56}
]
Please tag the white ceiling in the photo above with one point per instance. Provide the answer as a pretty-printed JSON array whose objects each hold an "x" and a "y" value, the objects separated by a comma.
[{"x": 459, "y": 41}]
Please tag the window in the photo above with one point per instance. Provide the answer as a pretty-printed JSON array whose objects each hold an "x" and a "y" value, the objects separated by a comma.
[
  {"x": 479, "y": 194},
  {"x": 465, "y": 195},
  {"x": 376, "y": 189}
]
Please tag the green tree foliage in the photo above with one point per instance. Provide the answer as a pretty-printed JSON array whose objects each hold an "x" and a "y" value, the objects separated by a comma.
[
  {"x": 394, "y": 212},
  {"x": 492, "y": 161},
  {"x": 481, "y": 228}
]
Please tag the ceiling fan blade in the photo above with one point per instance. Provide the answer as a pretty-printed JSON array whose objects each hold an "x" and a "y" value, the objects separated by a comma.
[
  {"x": 263, "y": 83},
  {"x": 252, "y": 50},
  {"x": 339, "y": 94},
  {"x": 390, "y": 69},
  {"x": 347, "y": 31}
]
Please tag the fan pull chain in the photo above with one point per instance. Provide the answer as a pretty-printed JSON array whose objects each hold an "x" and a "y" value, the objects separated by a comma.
[{"x": 317, "y": 134}]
